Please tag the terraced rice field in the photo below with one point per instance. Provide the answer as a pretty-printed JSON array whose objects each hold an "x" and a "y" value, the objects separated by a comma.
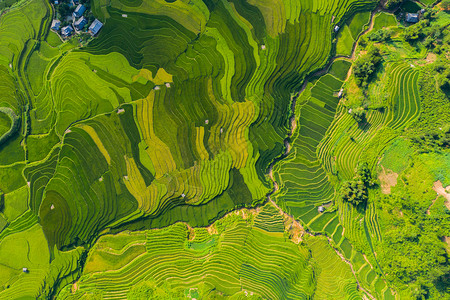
[
  {"x": 242, "y": 254},
  {"x": 179, "y": 152},
  {"x": 326, "y": 148}
]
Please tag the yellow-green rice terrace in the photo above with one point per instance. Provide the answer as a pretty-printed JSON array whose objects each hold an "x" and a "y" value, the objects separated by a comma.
[{"x": 224, "y": 149}]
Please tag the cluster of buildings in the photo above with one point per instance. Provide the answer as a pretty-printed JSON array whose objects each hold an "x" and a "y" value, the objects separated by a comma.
[{"x": 79, "y": 22}]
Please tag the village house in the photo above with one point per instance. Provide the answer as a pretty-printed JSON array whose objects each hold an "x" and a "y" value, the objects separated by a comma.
[
  {"x": 66, "y": 31},
  {"x": 80, "y": 23},
  {"x": 79, "y": 11},
  {"x": 56, "y": 24},
  {"x": 95, "y": 27},
  {"x": 412, "y": 18}
]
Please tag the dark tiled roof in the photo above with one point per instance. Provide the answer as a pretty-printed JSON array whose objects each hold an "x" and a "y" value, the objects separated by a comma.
[
  {"x": 412, "y": 18},
  {"x": 95, "y": 26}
]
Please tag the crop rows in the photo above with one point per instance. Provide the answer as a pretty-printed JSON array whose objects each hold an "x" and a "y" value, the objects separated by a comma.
[
  {"x": 174, "y": 113},
  {"x": 304, "y": 183},
  {"x": 334, "y": 146},
  {"x": 232, "y": 257}
]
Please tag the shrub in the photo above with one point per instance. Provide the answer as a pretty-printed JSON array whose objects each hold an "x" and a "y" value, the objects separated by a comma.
[{"x": 363, "y": 41}]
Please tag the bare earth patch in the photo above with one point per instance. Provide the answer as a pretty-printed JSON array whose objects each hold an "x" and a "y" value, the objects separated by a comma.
[
  {"x": 446, "y": 239},
  {"x": 75, "y": 287},
  {"x": 431, "y": 58},
  {"x": 443, "y": 192},
  {"x": 212, "y": 229},
  {"x": 388, "y": 179},
  {"x": 294, "y": 229}
]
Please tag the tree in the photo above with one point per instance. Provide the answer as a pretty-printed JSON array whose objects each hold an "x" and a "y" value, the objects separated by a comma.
[
  {"x": 429, "y": 42},
  {"x": 444, "y": 81},
  {"x": 359, "y": 114}
]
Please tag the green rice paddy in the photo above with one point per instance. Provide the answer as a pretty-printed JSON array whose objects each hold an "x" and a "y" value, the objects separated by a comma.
[{"x": 180, "y": 153}]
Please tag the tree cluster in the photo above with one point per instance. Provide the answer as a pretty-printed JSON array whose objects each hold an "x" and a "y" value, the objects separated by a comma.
[
  {"x": 390, "y": 4},
  {"x": 413, "y": 253},
  {"x": 444, "y": 81},
  {"x": 381, "y": 35},
  {"x": 434, "y": 37},
  {"x": 445, "y": 4},
  {"x": 64, "y": 10},
  {"x": 365, "y": 66},
  {"x": 443, "y": 75},
  {"x": 433, "y": 141},
  {"x": 355, "y": 191}
]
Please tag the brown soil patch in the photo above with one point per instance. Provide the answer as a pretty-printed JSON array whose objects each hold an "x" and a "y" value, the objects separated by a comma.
[
  {"x": 294, "y": 229},
  {"x": 247, "y": 212},
  {"x": 75, "y": 287},
  {"x": 212, "y": 229},
  {"x": 446, "y": 241},
  {"x": 362, "y": 52},
  {"x": 443, "y": 192},
  {"x": 431, "y": 58},
  {"x": 293, "y": 125},
  {"x": 388, "y": 179}
]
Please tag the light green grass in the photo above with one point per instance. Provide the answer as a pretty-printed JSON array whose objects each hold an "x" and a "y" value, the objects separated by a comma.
[
  {"x": 396, "y": 157},
  {"x": 345, "y": 42},
  {"x": 384, "y": 20}
]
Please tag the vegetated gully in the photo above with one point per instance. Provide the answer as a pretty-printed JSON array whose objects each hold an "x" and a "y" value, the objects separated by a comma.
[{"x": 293, "y": 127}]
